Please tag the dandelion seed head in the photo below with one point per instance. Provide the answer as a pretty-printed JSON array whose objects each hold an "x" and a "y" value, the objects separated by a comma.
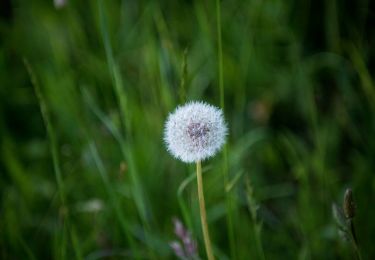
[{"x": 195, "y": 131}]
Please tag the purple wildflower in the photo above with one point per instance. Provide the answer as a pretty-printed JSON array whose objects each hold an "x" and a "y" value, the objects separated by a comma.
[
  {"x": 179, "y": 228},
  {"x": 186, "y": 248},
  {"x": 177, "y": 249}
]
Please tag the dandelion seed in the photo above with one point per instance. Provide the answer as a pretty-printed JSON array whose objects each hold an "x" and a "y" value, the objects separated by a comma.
[{"x": 195, "y": 132}]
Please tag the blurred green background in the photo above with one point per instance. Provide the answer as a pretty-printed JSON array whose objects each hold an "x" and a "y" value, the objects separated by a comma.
[{"x": 85, "y": 89}]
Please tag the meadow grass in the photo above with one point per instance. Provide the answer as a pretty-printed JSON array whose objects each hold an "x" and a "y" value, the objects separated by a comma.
[{"x": 84, "y": 94}]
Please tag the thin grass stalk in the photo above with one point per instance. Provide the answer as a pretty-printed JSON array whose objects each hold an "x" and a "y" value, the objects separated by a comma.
[
  {"x": 229, "y": 198},
  {"x": 27, "y": 249},
  {"x": 354, "y": 240},
  {"x": 117, "y": 81},
  {"x": 184, "y": 72},
  {"x": 181, "y": 202},
  {"x": 220, "y": 53},
  {"x": 118, "y": 137},
  {"x": 50, "y": 133},
  {"x": 364, "y": 74},
  {"x": 258, "y": 240},
  {"x": 257, "y": 225},
  {"x": 118, "y": 87},
  {"x": 113, "y": 198},
  {"x": 76, "y": 244},
  {"x": 55, "y": 157},
  {"x": 202, "y": 208}
]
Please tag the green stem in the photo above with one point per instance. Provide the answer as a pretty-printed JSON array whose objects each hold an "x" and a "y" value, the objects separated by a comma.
[
  {"x": 354, "y": 239},
  {"x": 46, "y": 116},
  {"x": 220, "y": 53},
  {"x": 206, "y": 235},
  {"x": 230, "y": 206},
  {"x": 258, "y": 241}
]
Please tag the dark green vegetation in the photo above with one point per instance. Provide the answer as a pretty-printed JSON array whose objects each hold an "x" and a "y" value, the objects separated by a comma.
[{"x": 85, "y": 90}]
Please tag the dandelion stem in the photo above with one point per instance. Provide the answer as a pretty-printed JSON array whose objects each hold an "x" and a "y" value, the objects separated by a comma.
[{"x": 206, "y": 236}]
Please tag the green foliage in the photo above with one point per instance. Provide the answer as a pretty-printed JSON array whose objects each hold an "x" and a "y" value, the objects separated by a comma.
[{"x": 84, "y": 93}]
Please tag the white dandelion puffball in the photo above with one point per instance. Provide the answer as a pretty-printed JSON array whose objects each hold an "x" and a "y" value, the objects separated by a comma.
[{"x": 195, "y": 131}]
